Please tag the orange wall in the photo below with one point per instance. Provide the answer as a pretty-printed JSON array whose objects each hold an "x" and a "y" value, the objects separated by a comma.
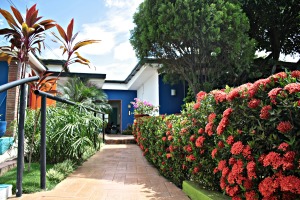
[{"x": 35, "y": 103}]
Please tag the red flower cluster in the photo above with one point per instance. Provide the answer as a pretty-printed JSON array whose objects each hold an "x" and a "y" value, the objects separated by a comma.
[
  {"x": 251, "y": 170},
  {"x": 214, "y": 152},
  {"x": 192, "y": 138},
  {"x": 230, "y": 140},
  {"x": 273, "y": 94},
  {"x": 197, "y": 106},
  {"x": 211, "y": 117},
  {"x": 221, "y": 144},
  {"x": 237, "y": 148},
  {"x": 201, "y": 130},
  {"x": 222, "y": 125},
  {"x": 284, "y": 126},
  {"x": 233, "y": 94},
  {"x": 199, "y": 142},
  {"x": 196, "y": 170},
  {"x": 200, "y": 96},
  {"x": 188, "y": 148},
  {"x": 227, "y": 112},
  {"x": 232, "y": 191},
  {"x": 219, "y": 95},
  {"x": 275, "y": 160},
  {"x": 209, "y": 128},
  {"x": 283, "y": 146},
  {"x": 262, "y": 82},
  {"x": 295, "y": 74},
  {"x": 253, "y": 103},
  {"x": 251, "y": 195},
  {"x": 279, "y": 184},
  {"x": 221, "y": 165},
  {"x": 168, "y": 155},
  {"x": 264, "y": 113},
  {"x": 279, "y": 75},
  {"x": 190, "y": 158},
  {"x": 292, "y": 88}
]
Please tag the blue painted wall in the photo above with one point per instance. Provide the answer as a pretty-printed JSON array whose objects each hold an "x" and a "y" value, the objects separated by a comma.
[
  {"x": 126, "y": 96},
  {"x": 3, "y": 80},
  {"x": 170, "y": 104}
]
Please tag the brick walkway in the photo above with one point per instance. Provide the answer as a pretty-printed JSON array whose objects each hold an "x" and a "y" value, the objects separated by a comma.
[{"x": 117, "y": 172}]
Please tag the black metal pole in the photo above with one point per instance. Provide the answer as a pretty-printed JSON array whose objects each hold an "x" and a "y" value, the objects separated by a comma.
[
  {"x": 103, "y": 128},
  {"x": 43, "y": 144},
  {"x": 20, "y": 160}
]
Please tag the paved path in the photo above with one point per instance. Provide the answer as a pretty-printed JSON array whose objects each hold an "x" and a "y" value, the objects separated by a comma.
[{"x": 117, "y": 172}]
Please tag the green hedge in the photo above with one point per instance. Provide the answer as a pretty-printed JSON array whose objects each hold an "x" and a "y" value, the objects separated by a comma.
[{"x": 243, "y": 141}]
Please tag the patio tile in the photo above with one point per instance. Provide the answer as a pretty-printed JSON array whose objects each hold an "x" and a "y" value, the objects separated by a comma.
[{"x": 117, "y": 172}]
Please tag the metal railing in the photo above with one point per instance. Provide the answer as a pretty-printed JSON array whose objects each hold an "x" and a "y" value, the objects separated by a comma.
[
  {"x": 44, "y": 97},
  {"x": 22, "y": 107}
]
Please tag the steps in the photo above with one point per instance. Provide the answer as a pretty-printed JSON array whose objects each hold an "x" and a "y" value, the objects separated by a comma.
[
  {"x": 119, "y": 139},
  {"x": 6, "y": 166}
]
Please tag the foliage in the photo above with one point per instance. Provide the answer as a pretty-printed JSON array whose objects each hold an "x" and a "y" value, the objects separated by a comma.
[
  {"x": 25, "y": 34},
  {"x": 143, "y": 107},
  {"x": 78, "y": 90},
  {"x": 60, "y": 171},
  {"x": 197, "y": 41},
  {"x": 70, "y": 132},
  {"x": 31, "y": 180},
  {"x": 67, "y": 40},
  {"x": 240, "y": 140},
  {"x": 277, "y": 30}
]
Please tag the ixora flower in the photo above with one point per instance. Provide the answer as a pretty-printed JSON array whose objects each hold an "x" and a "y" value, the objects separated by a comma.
[
  {"x": 284, "y": 126},
  {"x": 143, "y": 107}
]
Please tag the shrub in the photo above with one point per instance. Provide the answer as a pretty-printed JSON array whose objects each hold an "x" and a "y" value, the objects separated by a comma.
[
  {"x": 240, "y": 140},
  {"x": 60, "y": 171},
  {"x": 70, "y": 130},
  {"x": 55, "y": 176}
]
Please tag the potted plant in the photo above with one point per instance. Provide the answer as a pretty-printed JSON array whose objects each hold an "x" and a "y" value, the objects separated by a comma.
[
  {"x": 143, "y": 108},
  {"x": 2, "y": 126}
]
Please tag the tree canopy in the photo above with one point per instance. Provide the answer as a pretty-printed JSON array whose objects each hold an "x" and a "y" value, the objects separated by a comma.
[
  {"x": 198, "y": 40},
  {"x": 275, "y": 25}
]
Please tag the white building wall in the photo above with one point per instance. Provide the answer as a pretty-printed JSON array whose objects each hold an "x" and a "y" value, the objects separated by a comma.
[{"x": 149, "y": 90}]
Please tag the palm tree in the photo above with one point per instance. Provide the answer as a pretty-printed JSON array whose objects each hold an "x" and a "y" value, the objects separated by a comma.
[{"x": 80, "y": 90}]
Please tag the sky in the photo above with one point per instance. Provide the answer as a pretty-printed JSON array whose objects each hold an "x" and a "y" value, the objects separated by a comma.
[{"x": 107, "y": 20}]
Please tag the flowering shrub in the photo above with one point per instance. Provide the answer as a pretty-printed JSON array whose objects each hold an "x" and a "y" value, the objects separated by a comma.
[
  {"x": 143, "y": 107},
  {"x": 241, "y": 140}
]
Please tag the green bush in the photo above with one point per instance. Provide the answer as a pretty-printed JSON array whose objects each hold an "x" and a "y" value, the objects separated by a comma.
[
  {"x": 60, "y": 171},
  {"x": 241, "y": 140},
  {"x": 65, "y": 167},
  {"x": 70, "y": 130},
  {"x": 55, "y": 176}
]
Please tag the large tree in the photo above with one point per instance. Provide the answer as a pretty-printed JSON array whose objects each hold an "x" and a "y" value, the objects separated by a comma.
[
  {"x": 275, "y": 25},
  {"x": 198, "y": 40}
]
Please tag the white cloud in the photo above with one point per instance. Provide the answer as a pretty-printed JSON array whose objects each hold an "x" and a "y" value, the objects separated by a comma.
[
  {"x": 122, "y": 3},
  {"x": 124, "y": 51},
  {"x": 97, "y": 32}
]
